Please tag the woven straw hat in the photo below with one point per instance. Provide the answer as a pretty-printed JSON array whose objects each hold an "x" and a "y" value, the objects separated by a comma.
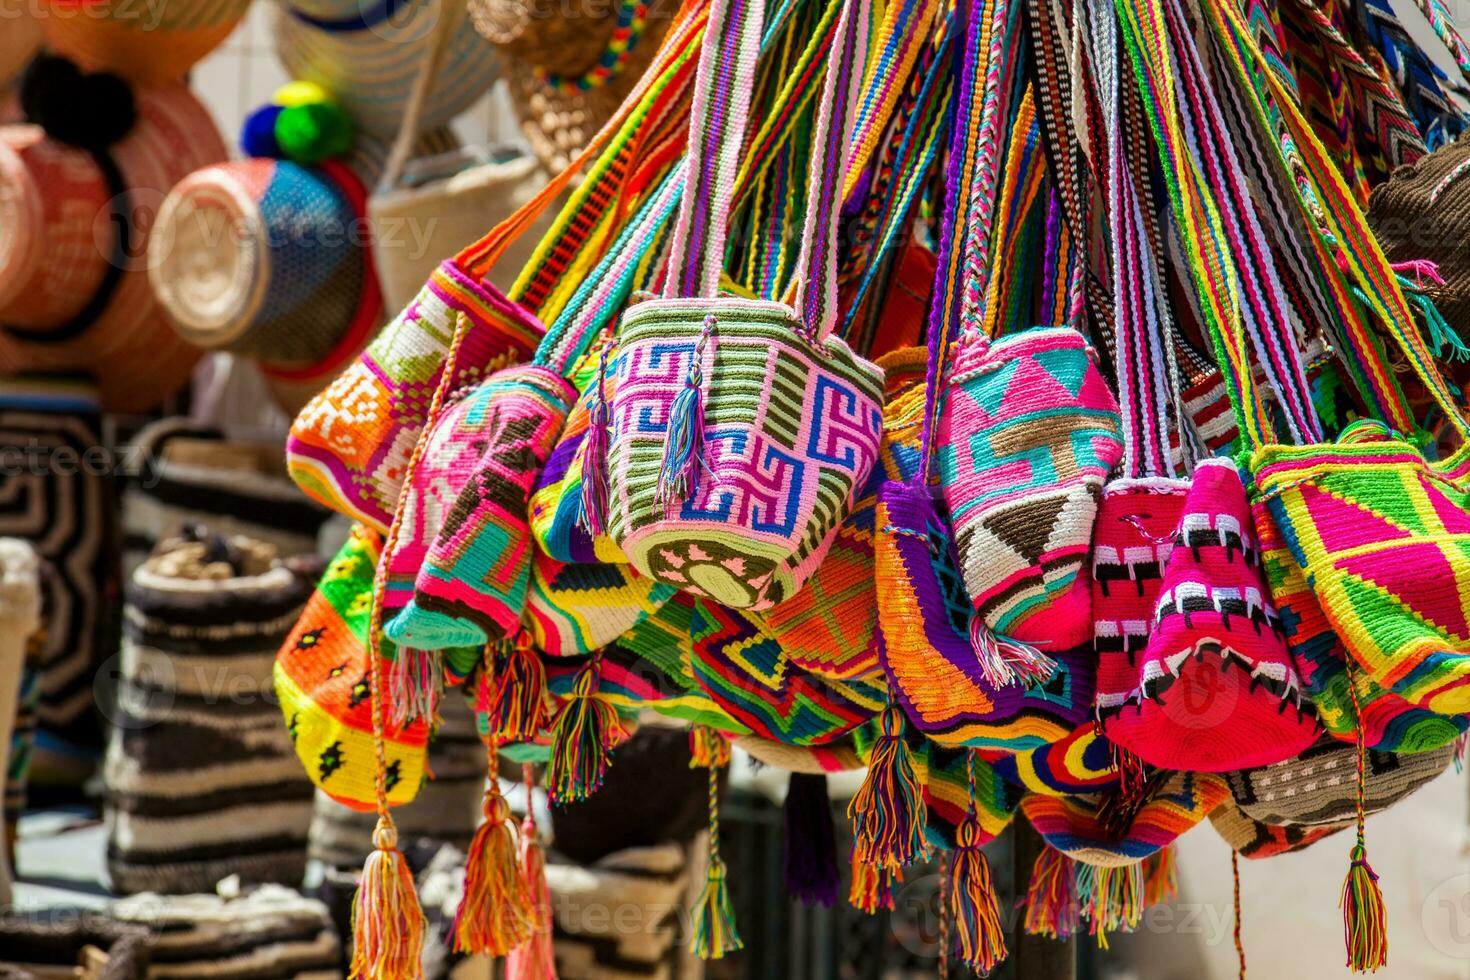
[
  {"x": 146, "y": 41},
  {"x": 269, "y": 260},
  {"x": 367, "y": 59},
  {"x": 58, "y": 236},
  {"x": 559, "y": 121},
  {"x": 19, "y": 39}
]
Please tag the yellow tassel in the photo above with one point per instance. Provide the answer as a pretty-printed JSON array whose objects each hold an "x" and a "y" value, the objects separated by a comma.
[
  {"x": 1051, "y": 897},
  {"x": 888, "y": 812},
  {"x": 581, "y": 741},
  {"x": 1364, "y": 918},
  {"x": 387, "y": 923},
  {"x": 707, "y": 747},
  {"x": 495, "y": 914},
  {"x": 872, "y": 886},
  {"x": 714, "y": 932},
  {"x": 1110, "y": 898}
]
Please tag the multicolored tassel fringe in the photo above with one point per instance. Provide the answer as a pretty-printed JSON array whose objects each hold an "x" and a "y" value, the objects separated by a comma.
[
  {"x": 387, "y": 922},
  {"x": 495, "y": 913},
  {"x": 888, "y": 812},
  {"x": 707, "y": 748},
  {"x": 1364, "y": 918},
  {"x": 872, "y": 886},
  {"x": 1109, "y": 899},
  {"x": 1051, "y": 897},
  {"x": 415, "y": 686},
  {"x": 1160, "y": 877},
  {"x": 595, "y": 493},
  {"x": 714, "y": 933},
  {"x": 979, "y": 934},
  {"x": 1004, "y": 661},
  {"x": 809, "y": 845},
  {"x": 581, "y": 741},
  {"x": 516, "y": 701},
  {"x": 678, "y": 476},
  {"x": 535, "y": 959}
]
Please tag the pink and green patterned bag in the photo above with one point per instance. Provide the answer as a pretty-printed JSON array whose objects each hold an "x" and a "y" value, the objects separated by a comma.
[{"x": 741, "y": 429}]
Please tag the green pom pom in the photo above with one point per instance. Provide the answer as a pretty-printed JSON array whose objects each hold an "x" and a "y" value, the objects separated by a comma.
[{"x": 309, "y": 134}]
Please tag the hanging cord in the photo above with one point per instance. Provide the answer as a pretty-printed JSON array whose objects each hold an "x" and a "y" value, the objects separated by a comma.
[
  {"x": 1235, "y": 877},
  {"x": 1364, "y": 918}
]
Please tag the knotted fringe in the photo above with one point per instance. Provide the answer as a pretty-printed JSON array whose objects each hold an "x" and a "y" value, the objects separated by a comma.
[
  {"x": 678, "y": 476},
  {"x": 1445, "y": 338},
  {"x": 1364, "y": 919},
  {"x": 1120, "y": 806},
  {"x": 581, "y": 740},
  {"x": 707, "y": 748},
  {"x": 872, "y": 886},
  {"x": 888, "y": 812},
  {"x": 1004, "y": 661},
  {"x": 1160, "y": 877},
  {"x": 387, "y": 923},
  {"x": 810, "y": 843},
  {"x": 414, "y": 684},
  {"x": 534, "y": 959},
  {"x": 1109, "y": 899},
  {"x": 516, "y": 706},
  {"x": 595, "y": 494},
  {"x": 979, "y": 935},
  {"x": 714, "y": 932},
  {"x": 1051, "y": 897},
  {"x": 495, "y": 913}
]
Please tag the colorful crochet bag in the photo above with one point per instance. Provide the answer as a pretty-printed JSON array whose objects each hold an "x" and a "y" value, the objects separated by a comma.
[
  {"x": 1253, "y": 839},
  {"x": 322, "y": 685},
  {"x": 350, "y": 446},
  {"x": 1380, "y": 533},
  {"x": 830, "y": 627},
  {"x": 574, "y": 609},
  {"x": 741, "y": 428}
]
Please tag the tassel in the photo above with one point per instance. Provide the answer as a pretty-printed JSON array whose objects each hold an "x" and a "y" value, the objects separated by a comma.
[
  {"x": 535, "y": 959},
  {"x": 581, "y": 740},
  {"x": 1364, "y": 919},
  {"x": 1051, "y": 897},
  {"x": 678, "y": 476},
  {"x": 707, "y": 748},
  {"x": 810, "y": 843},
  {"x": 872, "y": 886},
  {"x": 517, "y": 705},
  {"x": 1109, "y": 898},
  {"x": 979, "y": 935},
  {"x": 1004, "y": 661},
  {"x": 1460, "y": 742},
  {"x": 495, "y": 913},
  {"x": 714, "y": 916},
  {"x": 889, "y": 816},
  {"x": 1160, "y": 877},
  {"x": 595, "y": 493},
  {"x": 387, "y": 923},
  {"x": 414, "y": 686},
  {"x": 1443, "y": 336}
]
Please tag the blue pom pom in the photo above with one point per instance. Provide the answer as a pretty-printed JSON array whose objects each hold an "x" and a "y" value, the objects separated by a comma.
[{"x": 258, "y": 134}]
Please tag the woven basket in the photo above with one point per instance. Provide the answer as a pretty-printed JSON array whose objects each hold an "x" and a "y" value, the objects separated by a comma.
[
  {"x": 143, "y": 42},
  {"x": 55, "y": 239},
  {"x": 370, "y": 70},
  {"x": 267, "y": 259}
]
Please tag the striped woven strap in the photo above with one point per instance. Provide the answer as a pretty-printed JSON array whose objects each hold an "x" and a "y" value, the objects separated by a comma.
[
  {"x": 1444, "y": 27},
  {"x": 478, "y": 258},
  {"x": 717, "y": 123},
  {"x": 1139, "y": 316},
  {"x": 1356, "y": 251}
]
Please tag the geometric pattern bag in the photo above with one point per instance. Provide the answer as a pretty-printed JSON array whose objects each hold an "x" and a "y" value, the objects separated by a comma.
[{"x": 741, "y": 430}]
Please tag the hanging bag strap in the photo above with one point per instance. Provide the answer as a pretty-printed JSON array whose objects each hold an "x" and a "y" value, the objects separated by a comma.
[
  {"x": 418, "y": 96},
  {"x": 1349, "y": 242},
  {"x": 1140, "y": 317}
]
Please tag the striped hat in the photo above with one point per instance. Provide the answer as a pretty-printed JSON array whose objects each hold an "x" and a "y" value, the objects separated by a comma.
[
  {"x": 74, "y": 291},
  {"x": 270, "y": 260},
  {"x": 366, "y": 54},
  {"x": 150, "y": 42}
]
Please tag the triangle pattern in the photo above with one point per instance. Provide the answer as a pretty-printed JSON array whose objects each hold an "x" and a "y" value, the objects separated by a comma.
[
  {"x": 1026, "y": 528},
  {"x": 1344, "y": 524},
  {"x": 1375, "y": 583},
  {"x": 1068, "y": 365}
]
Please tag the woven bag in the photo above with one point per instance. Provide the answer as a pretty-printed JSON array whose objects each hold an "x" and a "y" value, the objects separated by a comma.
[
  {"x": 1253, "y": 839},
  {"x": 1080, "y": 762},
  {"x": 466, "y": 540},
  {"x": 321, "y": 679},
  {"x": 574, "y": 609},
  {"x": 746, "y": 673},
  {"x": 1320, "y": 786},
  {"x": 349, "y": 447},
  {"x": 741, "y": 429},
  {"x": 1380, "y": 533},
  {"x": 1081, "y": 828},
  {"x": 944, "y": 777}
]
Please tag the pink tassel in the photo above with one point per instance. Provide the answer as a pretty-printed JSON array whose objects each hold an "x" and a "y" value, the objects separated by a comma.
[
  {"x": 1004, "y": 661},
  {"x": 678, "y": 477},
  {"x": 535, "y": 959},
  {"x": 595, "y": 493}
]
